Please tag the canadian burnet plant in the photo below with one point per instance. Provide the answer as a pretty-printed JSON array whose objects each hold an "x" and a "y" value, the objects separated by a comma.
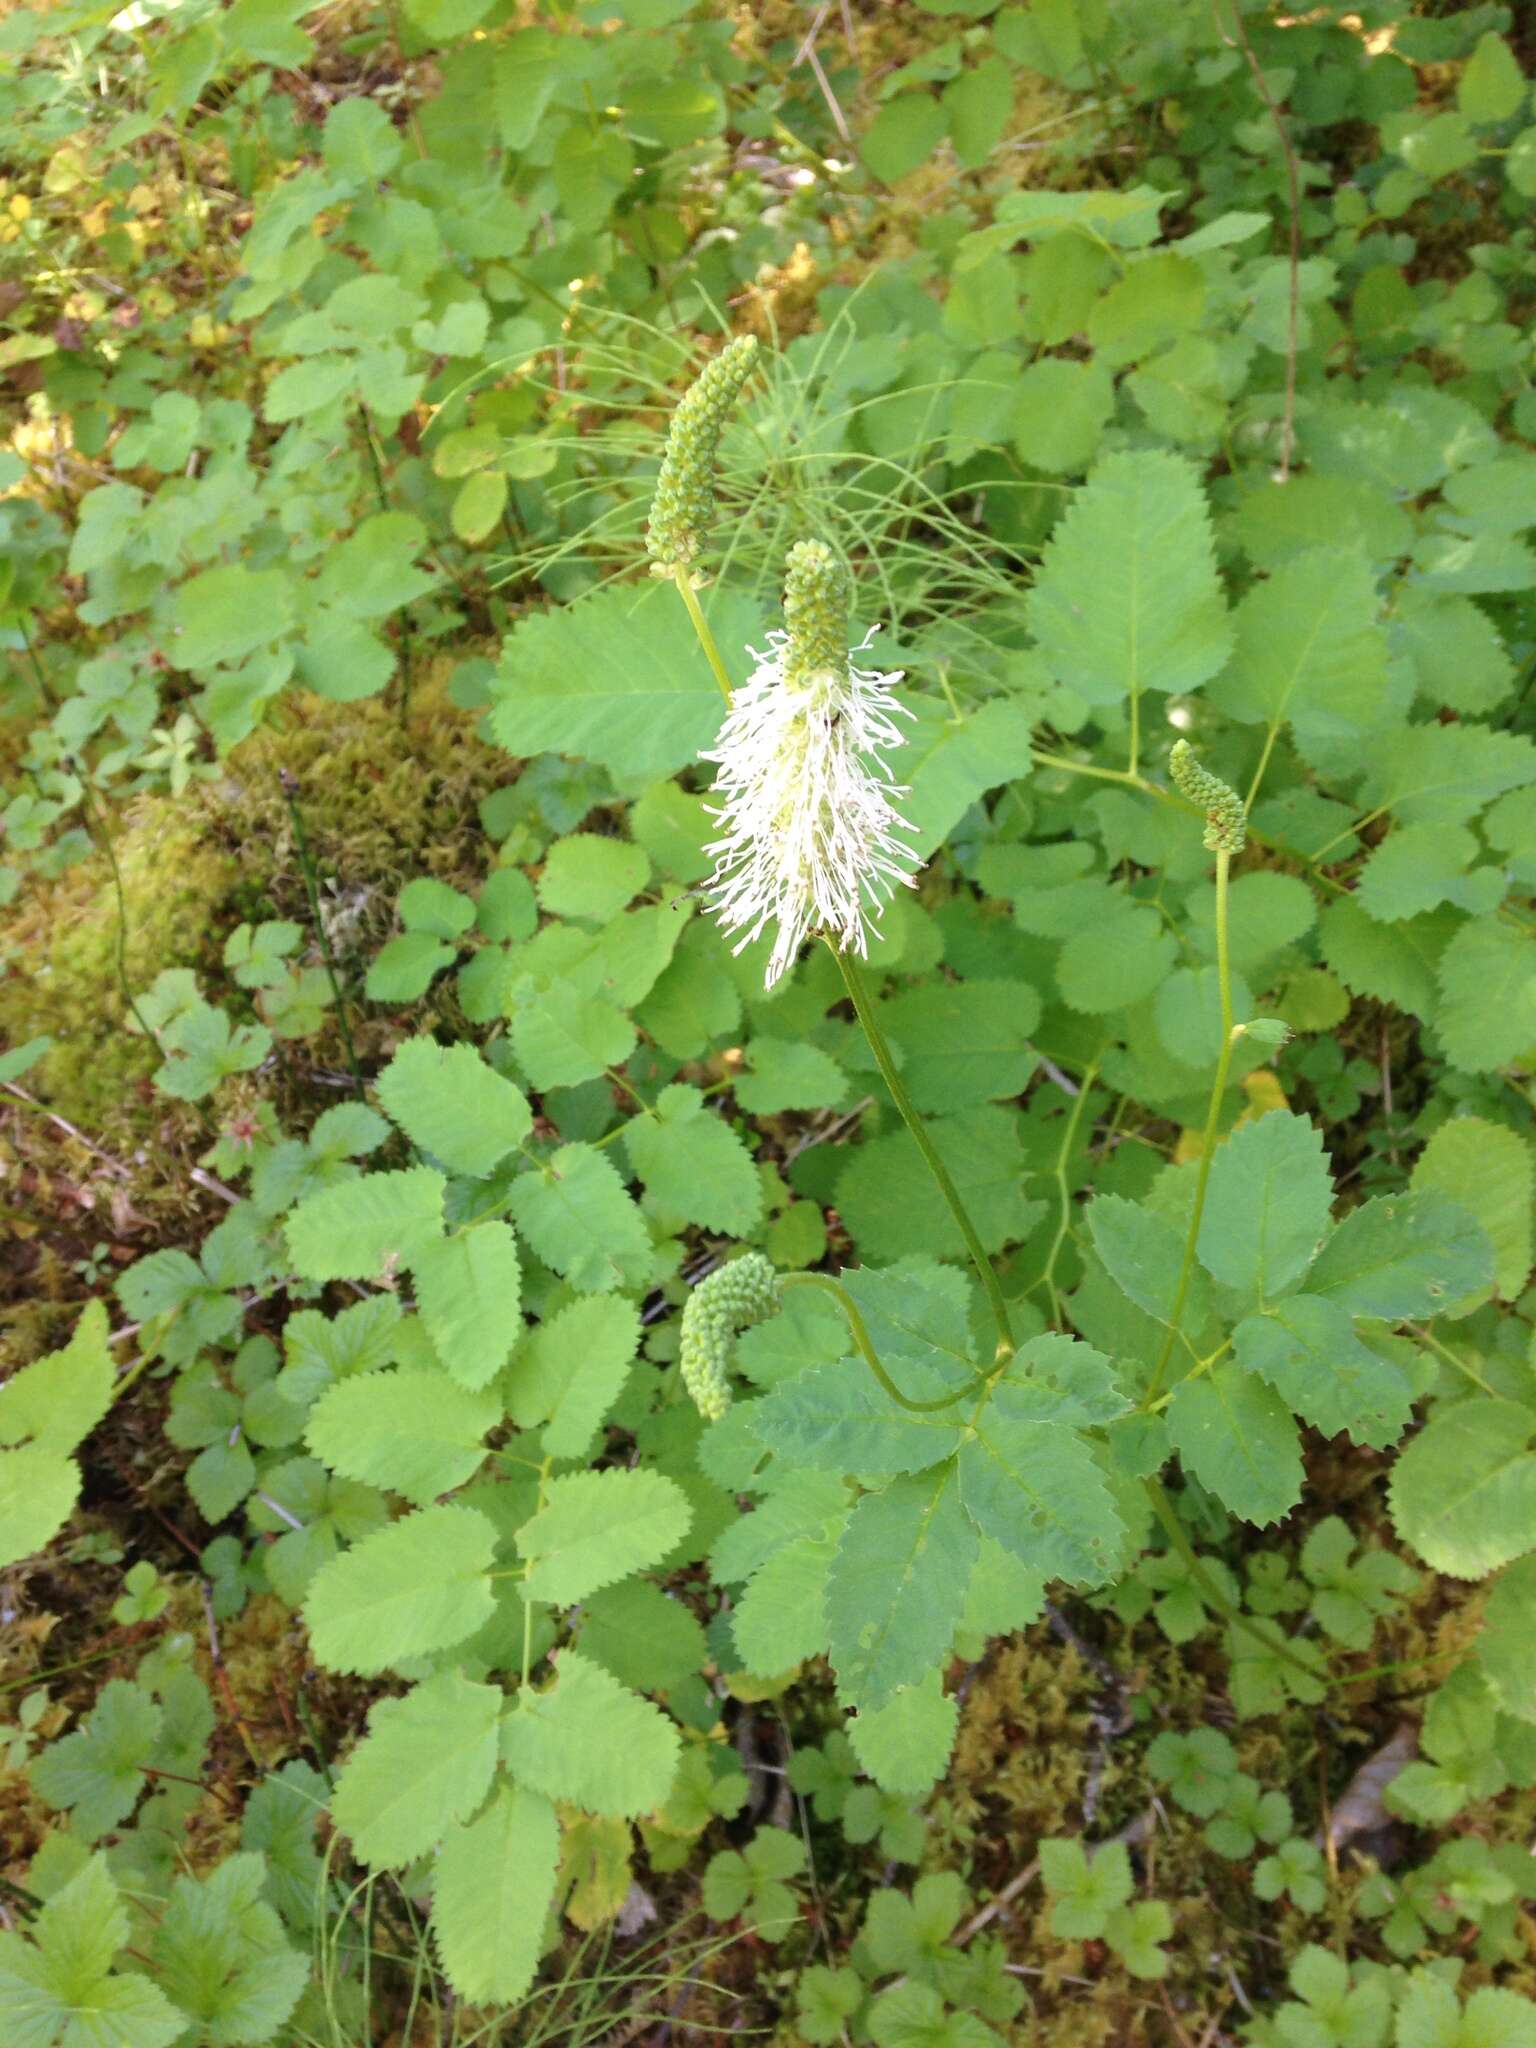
[{"x": 1001, "y": 1466}]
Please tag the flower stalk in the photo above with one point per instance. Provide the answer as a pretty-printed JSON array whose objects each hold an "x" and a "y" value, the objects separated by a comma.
[
  {"x": 858, "y": 995},
  {"x": 1225, "y": 830}
]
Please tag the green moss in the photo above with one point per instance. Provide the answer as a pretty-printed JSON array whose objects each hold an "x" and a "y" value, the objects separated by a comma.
[{"x": 66, "y": 947}]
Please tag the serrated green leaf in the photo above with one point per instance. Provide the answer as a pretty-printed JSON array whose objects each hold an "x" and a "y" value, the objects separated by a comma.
[
  {"x": 834, "y": 1418},
  {"x": 575, "y": 1213},
  {"x": 592, "y": 877},
  {"x": 38, "y": 1488},
  {"x": 95, "y": 1772},
  {"x": 897, "y": 1585},
  {"x": 1143, "y": 1254},
  {"x": 1487, "y": 1013},
  {"x": 1463, "y": 1493},
  {"x": 1403, "y": 1255},
  {"x": 595, "y": 1527},
  {"x": 886, "y": 1200},
  {"x": 417, "y": 1586},
  {"x": 590, "y": 1742},
  {"x": 693, "y": 1165},
  {"x": 1486, "y": 1169},
  {"x": 221, "y": 1953},
  {"x": 1035, "y": 1488},
  {"x": 565, "y": 686},
  {"x": 60, "y": 1989},
  {"x": 426, "y": 1760},
  {"x": 1308, "y": 650},
  {"x": 571, "y": 1370},
  {"x": 1236, "y": 1436},
  {"x": 642, "y": 1635},
  {"x": 453, "y": 1106},
  {"x": 1419, "y": 867},
  {"x": 1504, "y": 1644},
  {"x": 1060, "y": 411},
  {"x": 406, "y": 966},
  {"x": 361, "y": 1228},
  {"x": 963, "y": 1042},
  {"x": 1491, "y": 86},
  {"x": 468, "y": 1288},
  {"x": 562, "y": 1037},
  {"x": 494, "y": 1886},
  {"x": 784, "y": 1073},
  {"x": 415, "y": 1431},
  {"x": 1112, "y": 964},
  {"x": 781, "y": 1618},
  {"x": 1395, "y": 964},
  {"x": 905, "y": 1745},
  {"x": 1444, "y": 774},
  {"x": 1306, "y": 1348},
  {"x": 58, "y": 1400},
  {"x": 1159, "y": 623},
  {"x": 1267, "y": 1206}
]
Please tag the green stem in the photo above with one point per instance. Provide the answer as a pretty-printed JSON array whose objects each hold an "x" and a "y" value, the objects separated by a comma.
[
  {"x": 1212, "y": 1119},
  {"x": 859, "y": 1331},
  {"x": 689, "y": 595},
  {"x": 1212, "y": 1594},
  {"x": 37, "y": 667},
  {"x": 858, "y": 994},
  {"x": 307, "y": 866},
  {"x": 381, "y": 492},
  {"x": 1126, "y": 776}
]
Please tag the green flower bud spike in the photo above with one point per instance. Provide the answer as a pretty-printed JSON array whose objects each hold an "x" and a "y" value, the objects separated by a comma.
[
  {"x": 1226, "y": 822},
  {"x": 684, "y": 504},
  {"x": 729, "y": 1301},
  {"x": 815, "y": 614}
]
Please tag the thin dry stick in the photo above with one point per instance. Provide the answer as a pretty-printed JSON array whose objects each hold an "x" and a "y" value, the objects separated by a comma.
[
  {"x": 1293, "y": 184},
  {"x": 806, "y": 54},
  {"x": 63, "y": 1123}
]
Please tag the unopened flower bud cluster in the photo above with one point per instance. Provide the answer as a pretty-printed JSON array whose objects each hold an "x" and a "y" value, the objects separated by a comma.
[
  {"x": 719, "y": 1308},
  {"x": 684, "y": 502},
  {"x": 1226, "y": 824}
]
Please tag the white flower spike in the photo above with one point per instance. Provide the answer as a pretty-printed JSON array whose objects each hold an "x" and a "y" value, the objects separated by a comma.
[{"x": 809, "y": 835}]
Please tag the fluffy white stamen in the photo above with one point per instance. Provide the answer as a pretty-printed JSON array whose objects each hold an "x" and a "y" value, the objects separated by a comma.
[{"x": 810, "y": 831}]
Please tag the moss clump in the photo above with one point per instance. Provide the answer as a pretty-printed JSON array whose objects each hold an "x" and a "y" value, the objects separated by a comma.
[
  {"x": 66, "y": 947},
  {"x": 382, "y": 801}
]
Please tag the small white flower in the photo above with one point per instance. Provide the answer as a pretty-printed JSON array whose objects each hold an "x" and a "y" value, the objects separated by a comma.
[{"x": 809, "y": 836}]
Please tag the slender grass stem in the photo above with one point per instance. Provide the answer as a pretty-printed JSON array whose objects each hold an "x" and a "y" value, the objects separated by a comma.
[
  {"x": 1208, "y": 1142},
  {"x": 858, "y": 995},
  {"x": 1064, "y": 1193},
  {"x": 689, "y": 595},
  {"x": 307, "y": 866}
]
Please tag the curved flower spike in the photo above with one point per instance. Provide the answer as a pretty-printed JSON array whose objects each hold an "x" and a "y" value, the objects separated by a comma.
[
  {"x": 684, "y": 503},
  {"x": 1226, "y": 822},
  {"x": 810, "y": 832},
  {"x": 730, "y": 1300}
]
